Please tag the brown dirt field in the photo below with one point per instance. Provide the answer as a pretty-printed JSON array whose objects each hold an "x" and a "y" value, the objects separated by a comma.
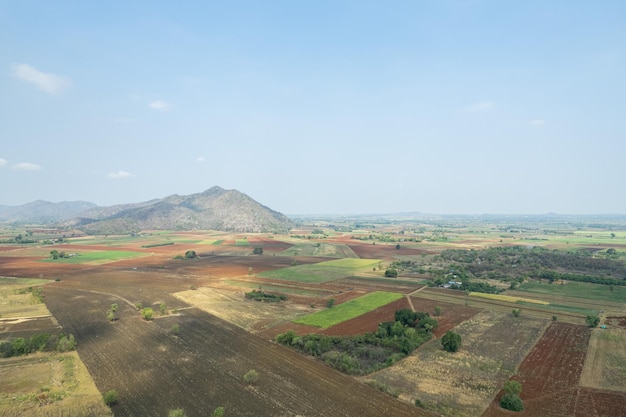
[
  {"x": 367, "y": 322},
  {"x": 386, "y": 252},
  {"x": 616, "y": 321},
  {"x": 201, "y": 368},
  {"x": 550, "y": 375}
]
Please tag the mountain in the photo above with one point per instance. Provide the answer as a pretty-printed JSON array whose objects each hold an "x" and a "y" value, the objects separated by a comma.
[
  {"x": 215, "y": 209},
  {"x": 42, "y": 212}
]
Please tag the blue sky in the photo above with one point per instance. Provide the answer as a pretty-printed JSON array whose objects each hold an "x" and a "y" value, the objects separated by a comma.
[{"x": 317, "y": 107}]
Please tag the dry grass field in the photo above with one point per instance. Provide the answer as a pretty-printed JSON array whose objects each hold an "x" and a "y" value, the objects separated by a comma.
[
  {"x": 605, "y": 365},
  {"x": 463, "y": 384}
]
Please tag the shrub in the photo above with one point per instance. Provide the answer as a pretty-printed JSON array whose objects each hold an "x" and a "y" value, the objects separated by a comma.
[
  {"x": 147, "y": 313},
  {"x": 66, "y": 343},
  {"x": 257, "y": 251},
  {"x": 451, "y": 341},
  {"x": 218, "y": 412},
  {"x": 110, "y": 397},
  {"x": 251, "y": 377},
  {"x": 592, "y": 321},
  {"x": 175, "y": 329},
  {"x": 391, "y": 273},
  {"x": 330, "y": 303},
  {"x": 512, "y": 387},
  {"x": 512, "y": 402},
  {"x": 190, "y": 254},
  {"x": 178, "y": 412},
  {"x": 516, "y": 312}
]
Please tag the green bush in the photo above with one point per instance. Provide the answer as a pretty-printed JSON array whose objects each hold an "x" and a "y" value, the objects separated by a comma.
[
  {"x": 512, "y": 402},
  {"x": 451, "y": 341},
  {"x": 147, "y": 313},
  {"x": 251, "y": 377},
  {"x": 110, "y": 397}
]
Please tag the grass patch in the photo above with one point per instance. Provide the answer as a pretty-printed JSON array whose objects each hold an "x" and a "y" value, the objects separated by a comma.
[
  {"x": 508, "y": 298},
  {"x": 579, "y": 290},
  {"x": 564, "y": 308},
  {"x": 217, "y": 242},
  {"x": 242, "y": 242},
  {"x": 322, "y": 271},
  {"x": 278, "y": 288},
  {"x": 349, "y": 310},
  {"x": 99, "y": 257}
]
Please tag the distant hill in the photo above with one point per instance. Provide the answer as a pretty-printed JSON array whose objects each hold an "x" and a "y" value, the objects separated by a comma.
[
  {"x": 215, "y": 209},
  {"x": 44, "y": 212}
]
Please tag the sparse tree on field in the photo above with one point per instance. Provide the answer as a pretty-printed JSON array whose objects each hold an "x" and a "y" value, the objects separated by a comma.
[
  {"x": 110, "y": 397},
  {"x": 113, "y": 307},
  {"x": 257, "y": 250},
  {"x": 512, "y": 387},
  {"x": 175, "y": 329},
  {"x": 251, "y": 377},
  {"x": 592, "y": 320},
  {"x": 391, "y": 273},
  {"x": 66, "y": 343},
  {"x": 191, "y": 254},
  {"x": 330, "y": 303},
  {"x": 437, "y": 311},
  {"x": 451, "y": 341},
  {"x": 516, "y": 312},
  {"x": 147, "y": 313},
  {"x": 111, "y": 316},
  {"x": 163, "y": 309},
  {"x": 54, "y": 254}
]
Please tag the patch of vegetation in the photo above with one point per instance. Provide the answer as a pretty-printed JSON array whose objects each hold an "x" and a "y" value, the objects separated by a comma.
[
  {"x": 110, "y": 397},
  {"x": 21, "y": 346},
  {"x": 451, "y": 341},
  {"x": 349, "y": 309},
  {"x": 97, "y": 257},
  {"x": 265, "y": 297},
  {"x": 322, "y": 271},
  {"x": 257, "y": 251},
  {"x": 366, "y": 353},
  {"x": 251, "y": 377},
  {"x": 147, "y": 313},
  {"x": 155, "y": 245},
  {"x": 577, "y": 289},
  {"x": 511, "y": 400}
]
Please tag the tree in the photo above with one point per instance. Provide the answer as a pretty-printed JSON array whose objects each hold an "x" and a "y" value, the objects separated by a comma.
[
  {"x": 451, "y": 341},
  {"x": 55, "y": 254},
  {"x": 592, "y": 321},
  {"x": 516, "y": 312},
  {"x": 251, "y": 377},
  {"x": 511, "y": 402},
  {"x": 398, "y": 246},
  {"x": 437, "y": 311},
  {"x": 391, "y": 273},
  {"x": 257, "y": 250},
  {"x": 163, "y": 309},
  {"x": 175, "y": 329},
  {"x": 66, "y": 343},
  {"x": 191, "y": 254},
  {"x": 330, "y": 303},
  {"x": 111, "y": 315},
  {"x": 110, "y": 397},
  {"x": 512, "y": 387},
  {"x": 147, "y": 313}
]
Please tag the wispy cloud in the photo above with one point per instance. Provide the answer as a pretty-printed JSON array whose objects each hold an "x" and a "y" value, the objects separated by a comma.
[
  {"x": 200, "y": 159},
  {"x": 50, "y": 83},
  {"x": 27, "y": 166},
  {"x": 120, "y": 174},
  {"x": 160, "y": 105},
  {"x": 480, "y": 107},
  {"x": 3, "y": 162},
  {"x": 537, "y": 122}
]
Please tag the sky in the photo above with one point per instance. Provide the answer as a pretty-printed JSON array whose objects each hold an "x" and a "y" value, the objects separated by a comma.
[{"x": 318, "y": 107}]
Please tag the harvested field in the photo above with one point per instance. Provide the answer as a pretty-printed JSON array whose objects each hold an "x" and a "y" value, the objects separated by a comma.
[
  {"x": 451, "y": 314},
  {"x": 202, "y": 367},
  {"x": 605, "y": 366},
  {"x": 550, "y": 376},
  {"x": 48, "y": 385},
  {"x": 385, "y": 252},
  {"x": 464, "y": 383}
]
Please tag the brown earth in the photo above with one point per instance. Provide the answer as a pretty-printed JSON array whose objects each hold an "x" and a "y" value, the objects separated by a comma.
[
  {"x": 550, "y": 375},
  {"x": 202, "y": 367}
]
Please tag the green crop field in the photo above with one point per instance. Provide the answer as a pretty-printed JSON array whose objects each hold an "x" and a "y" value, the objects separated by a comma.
[
  {"x": 278, "y": 288},
  {"x": 322, "y": 271},
  {"x": 578, "y": 290},
  {"x": 242, "y": 242},
  {"x": 349, "y": 310},
  {"x": 99, "y": 257}
]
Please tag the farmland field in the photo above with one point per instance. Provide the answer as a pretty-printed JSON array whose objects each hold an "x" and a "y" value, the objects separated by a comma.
[
  {"x": 348, "y": 310},
  {"x": 322, "y": 271},
  {"x": 464, "y": 383},
  {"x": 605, "y": 366},
  {"x": 97, "y": 258},
  {"x": 220, "y": 334}
]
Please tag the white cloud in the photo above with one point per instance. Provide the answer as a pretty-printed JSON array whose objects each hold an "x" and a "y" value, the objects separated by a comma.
[
  {"x": 3, "y": 162},
  {"x": 481, "y": 106},
  {"x": 50, "y": 83},
  {"x": 160, "y": 105},
  {"x": 537, "y": 122},
  {"x": 201, "y": 159},
  {"x": 27, "y": 166},
  {"x": 120, "y": 174}
]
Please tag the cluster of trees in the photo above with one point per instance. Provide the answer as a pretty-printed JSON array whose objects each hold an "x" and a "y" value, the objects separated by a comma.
[
  {"x": 55, "y": 254},
  {"x": 366, "y": 353},
  {"x": 511, "y": 400},
  {"x": 265, "y": 297},
  {"x": 410, "y": 267},
  {"x": 37, "y": 343},
  {"x": 190, "y": 254},
  {"x": 517, "y": 262}
]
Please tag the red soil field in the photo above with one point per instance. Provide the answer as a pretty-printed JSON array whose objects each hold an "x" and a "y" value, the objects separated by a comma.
[{"x": 550, "y": 374}]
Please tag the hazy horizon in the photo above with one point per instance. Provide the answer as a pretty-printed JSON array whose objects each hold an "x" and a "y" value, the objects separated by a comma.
[{"x": 351, "y": 107}]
